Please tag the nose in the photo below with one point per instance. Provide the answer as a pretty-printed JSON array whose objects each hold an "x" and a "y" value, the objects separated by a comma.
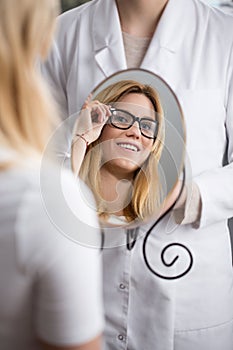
[{"x": 134, "y": 130}]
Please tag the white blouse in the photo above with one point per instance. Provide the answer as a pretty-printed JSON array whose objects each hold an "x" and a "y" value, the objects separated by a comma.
[{"x": 50, "y": 286}]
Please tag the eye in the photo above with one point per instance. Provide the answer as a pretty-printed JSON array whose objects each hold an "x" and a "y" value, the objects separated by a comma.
[
  {"x": 120, "y": 117},
  {"x": 147, "y": 125}
]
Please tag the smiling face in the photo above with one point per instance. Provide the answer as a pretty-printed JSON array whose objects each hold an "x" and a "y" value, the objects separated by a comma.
[{"x": 124, "y": 151}]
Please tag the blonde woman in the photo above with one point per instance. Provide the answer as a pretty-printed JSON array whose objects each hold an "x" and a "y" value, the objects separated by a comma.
[
  {"x": 190, "y": 45},
  {"x": 123, "y": 131},
  {"x": 50, "y": 293}
]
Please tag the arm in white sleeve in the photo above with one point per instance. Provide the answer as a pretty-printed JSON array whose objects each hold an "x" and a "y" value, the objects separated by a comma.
[
  {"x": 54, "y": 73},
  {"x": 216, "y": 185},
  {"x": 67, "y": 272},
  {"x": 68, "y": 307}
]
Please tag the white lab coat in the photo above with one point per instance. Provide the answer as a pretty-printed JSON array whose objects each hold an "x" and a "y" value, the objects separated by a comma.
[{"x": 192, "y": 50}]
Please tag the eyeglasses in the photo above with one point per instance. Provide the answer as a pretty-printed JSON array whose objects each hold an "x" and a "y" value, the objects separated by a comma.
[{"x": 122, "y": 119}]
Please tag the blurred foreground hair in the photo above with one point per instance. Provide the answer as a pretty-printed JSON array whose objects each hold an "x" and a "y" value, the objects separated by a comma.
[{"x": 26, "y": 111}]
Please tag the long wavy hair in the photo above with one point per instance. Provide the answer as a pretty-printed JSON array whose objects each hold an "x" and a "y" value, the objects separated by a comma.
[
  {"x": 146, "y": 195},
  {"x": 27, "y": 114}
]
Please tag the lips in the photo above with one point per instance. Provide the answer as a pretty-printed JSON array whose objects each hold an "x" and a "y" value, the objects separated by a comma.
[{"x": 128, "y": 146}]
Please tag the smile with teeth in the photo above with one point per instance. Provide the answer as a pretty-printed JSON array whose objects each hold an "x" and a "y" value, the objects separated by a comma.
[{"x": 129, "y": 147}]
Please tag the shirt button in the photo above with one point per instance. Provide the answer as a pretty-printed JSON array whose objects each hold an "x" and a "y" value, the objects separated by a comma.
[
  {"x": 67, "y": 155},
  {"x": 122, "y": 286},
  {"x": 120, "y": 337}
]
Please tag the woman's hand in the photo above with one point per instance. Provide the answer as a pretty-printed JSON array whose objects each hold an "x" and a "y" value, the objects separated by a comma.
[
  {"x": 91, "y": 120},
  {"x": 88, "y": 127},
  {"x": 175, "y": 197}
]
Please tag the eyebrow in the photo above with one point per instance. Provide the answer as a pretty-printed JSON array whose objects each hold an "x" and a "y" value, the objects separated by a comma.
[{"x": 143, "y": 116}]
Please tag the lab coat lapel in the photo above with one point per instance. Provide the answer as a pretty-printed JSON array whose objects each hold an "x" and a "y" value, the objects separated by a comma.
[
  {"x": 107, "y": 38},
  {"x": 163, "y": 50}
]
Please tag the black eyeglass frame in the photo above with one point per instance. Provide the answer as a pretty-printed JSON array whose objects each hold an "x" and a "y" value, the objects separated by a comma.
[{"x": 134, "y": 119}]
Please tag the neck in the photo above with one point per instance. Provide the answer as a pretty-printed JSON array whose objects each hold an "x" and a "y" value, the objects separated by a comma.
[
  {"x": 116, "y": 191},
  {"x": 140, "y": 17}
]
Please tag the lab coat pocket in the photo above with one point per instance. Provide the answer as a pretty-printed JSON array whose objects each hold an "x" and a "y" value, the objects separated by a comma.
[
  {"x": 219, "y": 337},
  {"x": 204, "y": 297},
  {"x": 204, "y": 115}
]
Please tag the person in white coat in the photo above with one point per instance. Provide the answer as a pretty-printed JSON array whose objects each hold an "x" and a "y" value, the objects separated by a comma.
[
  {"x": 50, "y": 286},
  {"x": 190, "y": 45}
]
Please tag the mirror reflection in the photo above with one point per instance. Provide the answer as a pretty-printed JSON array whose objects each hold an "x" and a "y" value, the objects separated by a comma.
[{"x": 122, "y": 151}]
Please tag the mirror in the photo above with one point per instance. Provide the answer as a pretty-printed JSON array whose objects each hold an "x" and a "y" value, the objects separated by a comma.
[{"x": 134, "y": 165}]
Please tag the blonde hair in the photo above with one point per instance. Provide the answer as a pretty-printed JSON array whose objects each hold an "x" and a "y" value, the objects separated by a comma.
[
  {"x": 147, "y": 196},
  {"x": 26, "y": 110}
]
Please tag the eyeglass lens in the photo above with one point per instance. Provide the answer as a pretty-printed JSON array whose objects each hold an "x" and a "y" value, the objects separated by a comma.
[{"x": 124, "y": 120}]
